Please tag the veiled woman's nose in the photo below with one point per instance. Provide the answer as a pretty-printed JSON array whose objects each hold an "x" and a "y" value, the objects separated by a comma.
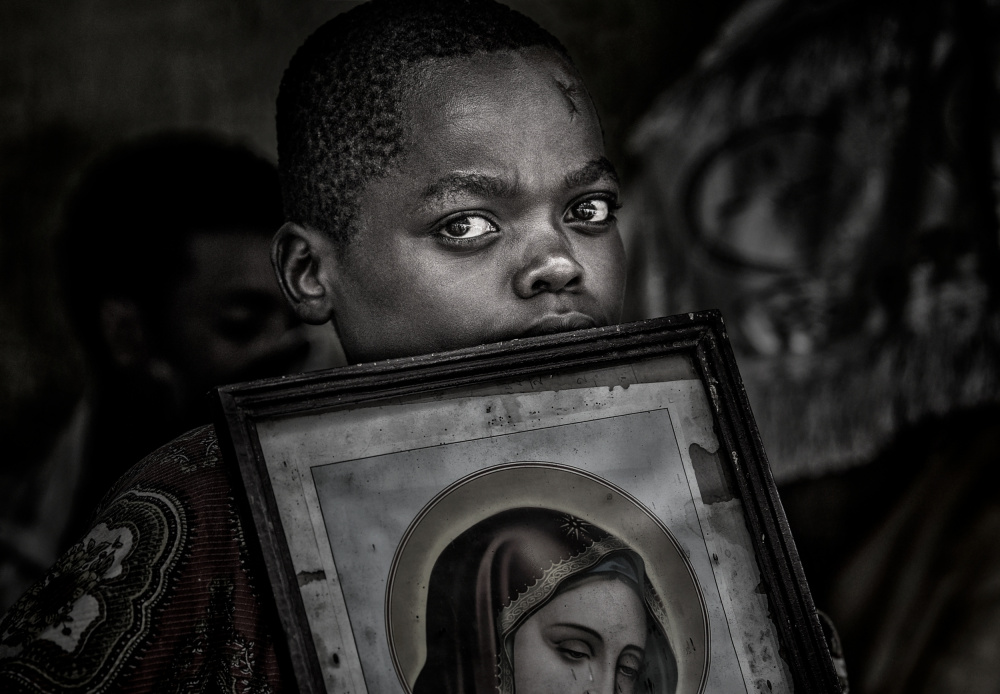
[
  {"x": 603, "y": 681},
  {"x": 549, "y": 267}
]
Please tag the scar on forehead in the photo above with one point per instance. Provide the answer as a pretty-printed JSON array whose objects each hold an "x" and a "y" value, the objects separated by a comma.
[{"x": 570, "y": 92}]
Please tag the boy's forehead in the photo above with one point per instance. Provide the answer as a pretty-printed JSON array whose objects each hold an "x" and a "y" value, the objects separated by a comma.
[
  {"x": 515, "y": 121},
  {"x": 538, "y": 77},
  {"x": 491, "y": 129}
]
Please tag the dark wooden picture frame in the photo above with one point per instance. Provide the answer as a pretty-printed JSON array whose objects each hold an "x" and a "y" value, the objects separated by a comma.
[{"x": 305, "y": 448}]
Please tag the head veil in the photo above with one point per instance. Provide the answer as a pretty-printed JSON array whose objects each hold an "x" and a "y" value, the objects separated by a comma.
[{"x": 498, "y": 573}]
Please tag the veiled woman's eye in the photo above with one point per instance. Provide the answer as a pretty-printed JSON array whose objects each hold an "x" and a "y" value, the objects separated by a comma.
[
  {"x": 629, "y": 672},
  {"x": 574, "y": 649},
  {"x": 468, "y": 227},
  {"x": 594, "y": 211},
  {"x": 629, "y": 665}
]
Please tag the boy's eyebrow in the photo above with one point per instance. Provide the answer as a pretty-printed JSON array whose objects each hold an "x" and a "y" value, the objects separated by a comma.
[
  {"x": 592, "y": 172},
  {"x": 482, "y": 185},
  {"x": 490, "y": 186}
]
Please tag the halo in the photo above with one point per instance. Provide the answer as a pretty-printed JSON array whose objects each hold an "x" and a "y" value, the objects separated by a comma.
[{"x": 558, "y": 487}]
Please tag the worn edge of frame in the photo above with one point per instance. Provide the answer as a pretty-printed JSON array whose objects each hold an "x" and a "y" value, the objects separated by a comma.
[
  {"x": 269, "y": 555},
  {"x": 811, "y": 662},
  {"x": 701, "y": 334}
]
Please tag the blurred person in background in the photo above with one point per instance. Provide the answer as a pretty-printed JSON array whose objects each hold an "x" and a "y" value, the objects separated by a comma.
[
  {"x": 825, "y": 178},
  {"x": 164, "y": 262}
]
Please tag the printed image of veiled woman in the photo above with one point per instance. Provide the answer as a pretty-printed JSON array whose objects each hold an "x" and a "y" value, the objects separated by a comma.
[{"x": 535, "y": 600}]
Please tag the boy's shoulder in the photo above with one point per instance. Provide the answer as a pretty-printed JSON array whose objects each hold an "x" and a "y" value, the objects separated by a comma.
[
  {"x": 158, "y": 592},
  {"x": 192, "y": 462}
]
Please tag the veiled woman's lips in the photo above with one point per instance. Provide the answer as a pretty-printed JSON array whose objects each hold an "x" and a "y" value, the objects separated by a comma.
[{"x": 559, "y": 323}]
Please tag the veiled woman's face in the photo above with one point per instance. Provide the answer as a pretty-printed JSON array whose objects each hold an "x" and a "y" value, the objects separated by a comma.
[{"x": 590, "y": 638}]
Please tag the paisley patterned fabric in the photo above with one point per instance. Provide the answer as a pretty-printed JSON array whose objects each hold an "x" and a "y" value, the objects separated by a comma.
[{"x": 156, "y": 597}]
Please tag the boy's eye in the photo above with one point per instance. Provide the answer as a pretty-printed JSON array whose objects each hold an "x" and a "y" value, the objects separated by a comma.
[
  {"x": 468, "y": 227},
  {"x": 595, "y": 211}
]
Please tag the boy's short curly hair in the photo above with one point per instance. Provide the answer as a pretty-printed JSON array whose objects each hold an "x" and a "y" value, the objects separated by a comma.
[{"x": 339, "y": 116}]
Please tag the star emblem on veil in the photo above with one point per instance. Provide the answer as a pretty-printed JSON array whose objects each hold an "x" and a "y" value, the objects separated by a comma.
[{"x": 575, "y": 528}]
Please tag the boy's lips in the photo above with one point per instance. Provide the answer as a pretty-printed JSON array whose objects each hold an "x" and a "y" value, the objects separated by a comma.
[{"x": 558, "y": 323}]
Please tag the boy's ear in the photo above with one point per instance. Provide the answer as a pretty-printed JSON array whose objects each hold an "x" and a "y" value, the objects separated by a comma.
[{"x": 305, "y": 262}]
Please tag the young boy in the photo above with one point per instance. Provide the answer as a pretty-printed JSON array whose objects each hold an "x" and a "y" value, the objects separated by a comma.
[{"x": 444, "y": 179}]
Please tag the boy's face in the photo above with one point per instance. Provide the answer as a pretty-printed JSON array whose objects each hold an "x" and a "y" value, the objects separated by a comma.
[{"x": 498, "y": 221}]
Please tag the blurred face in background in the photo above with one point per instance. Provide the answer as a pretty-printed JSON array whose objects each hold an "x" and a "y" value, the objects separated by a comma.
[{"x": 226, "y": 319}]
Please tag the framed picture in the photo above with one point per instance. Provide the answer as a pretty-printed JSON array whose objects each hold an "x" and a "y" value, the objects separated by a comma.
[{"x": 593, "y": 507}]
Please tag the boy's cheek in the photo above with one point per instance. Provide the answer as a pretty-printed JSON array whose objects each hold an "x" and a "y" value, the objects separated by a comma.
[
  {"x": 433, "y": 301},
  {"x": 608, "y": 265}
]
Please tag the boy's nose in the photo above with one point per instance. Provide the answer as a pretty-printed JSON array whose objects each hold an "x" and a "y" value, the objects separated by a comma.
[{"x": 549, "y": 266}]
